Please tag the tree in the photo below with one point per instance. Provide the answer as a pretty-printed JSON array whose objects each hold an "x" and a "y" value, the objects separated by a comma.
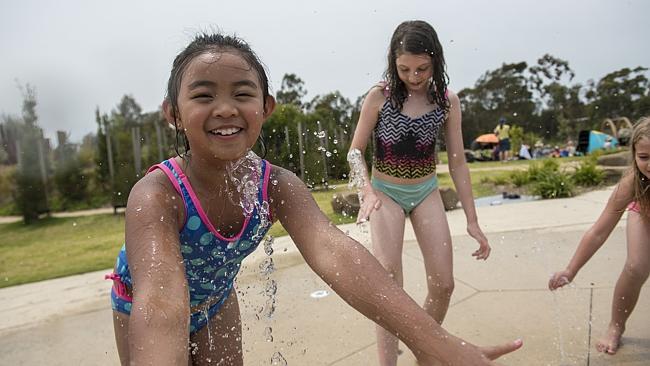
[
  {"x": 501, "y": 92},
  {"x": 622, "y": 93},
  {"x": 31, "y": 175},
  {"x": 559, "y": 104},
  {"x": 292, "y": 90},
  {"x": 69, "y": 178}
]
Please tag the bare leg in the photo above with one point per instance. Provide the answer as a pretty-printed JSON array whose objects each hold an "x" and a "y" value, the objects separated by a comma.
[
  {"x": 121, "y": 327},
  {"x": 219, "y": 342},
  {"x": 387, "y": 235},
  {"x": 432, "y": 231},
  {"x": 628, "y": 286}
]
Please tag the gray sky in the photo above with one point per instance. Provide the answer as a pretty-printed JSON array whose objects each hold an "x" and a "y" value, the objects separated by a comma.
[{"x": 82, "y": 54}]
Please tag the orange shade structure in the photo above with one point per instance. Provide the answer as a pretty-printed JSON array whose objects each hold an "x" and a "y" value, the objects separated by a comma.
[{"x": 488, "y": 138}]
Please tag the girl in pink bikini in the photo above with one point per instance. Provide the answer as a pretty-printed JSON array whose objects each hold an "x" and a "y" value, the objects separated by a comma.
[{"x": 632, "y": 192}]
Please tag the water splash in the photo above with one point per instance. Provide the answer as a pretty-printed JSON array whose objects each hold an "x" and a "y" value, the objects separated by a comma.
[
  {"x": 357, "y": 169},
  {"x": 245, "y": 174},
  {"x": 278, "y": 359}
]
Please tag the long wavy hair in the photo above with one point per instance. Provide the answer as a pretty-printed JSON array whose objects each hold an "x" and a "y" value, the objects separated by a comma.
[
  {"x": 417, "y": 37},
  {"x": 204, "y": 43},
  {"x": 641, "y": 182}
]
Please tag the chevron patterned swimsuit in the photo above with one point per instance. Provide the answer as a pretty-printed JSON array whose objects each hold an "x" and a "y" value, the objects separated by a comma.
[{"x": 405, "y": 148}]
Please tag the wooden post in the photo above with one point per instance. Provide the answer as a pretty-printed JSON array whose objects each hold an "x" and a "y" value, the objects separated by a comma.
[
  {"x": 159, "y": 140},
  {"x": 137, "y": 150},
  {"x": 300, "y": 152}
]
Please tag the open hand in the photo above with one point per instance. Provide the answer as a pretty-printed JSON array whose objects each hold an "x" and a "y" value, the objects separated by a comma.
[
  {"x": 483, "y": 252},
  {"x": 469, "y": 354}
]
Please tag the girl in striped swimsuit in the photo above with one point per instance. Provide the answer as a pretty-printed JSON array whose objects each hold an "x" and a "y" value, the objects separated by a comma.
[{"x": 406, "y": 113}]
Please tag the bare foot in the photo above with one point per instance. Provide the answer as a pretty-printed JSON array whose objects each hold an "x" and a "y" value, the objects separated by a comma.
[{"x": 610, "y": 342}]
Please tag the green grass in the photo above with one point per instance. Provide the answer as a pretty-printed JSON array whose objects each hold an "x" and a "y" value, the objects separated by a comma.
[{"x": 57, "y": 247}]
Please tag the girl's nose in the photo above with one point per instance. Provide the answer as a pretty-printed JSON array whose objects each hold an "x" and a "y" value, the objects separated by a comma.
[{"x": 224, "y": 109}]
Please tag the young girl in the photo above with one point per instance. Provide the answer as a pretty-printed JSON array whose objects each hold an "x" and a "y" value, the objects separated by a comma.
[
  {"x": 631, "y": 193},
  {"x": 406, "y": 114},
  {"x": 193, "y": 218}
]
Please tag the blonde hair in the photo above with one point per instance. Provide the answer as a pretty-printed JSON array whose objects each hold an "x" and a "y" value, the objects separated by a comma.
[{"x": 641, "y": 182}]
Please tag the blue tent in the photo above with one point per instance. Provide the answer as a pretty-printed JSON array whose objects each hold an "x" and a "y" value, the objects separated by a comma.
[{"x": 589, "y": 141}]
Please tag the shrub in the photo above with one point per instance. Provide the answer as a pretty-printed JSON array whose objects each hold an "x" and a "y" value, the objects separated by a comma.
[
  {"x": 552, "y": 184},
  {"x": 520, "y": 178},
  {"x": 536, "y": 169},
  {"x": 587, "y": 174}
]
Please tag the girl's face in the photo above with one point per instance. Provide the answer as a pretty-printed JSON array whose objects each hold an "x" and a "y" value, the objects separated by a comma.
[
  {"x": 221, "y": 106},
  {"x": 642, "y": 156},
  {"x": 414, "y": 70}
]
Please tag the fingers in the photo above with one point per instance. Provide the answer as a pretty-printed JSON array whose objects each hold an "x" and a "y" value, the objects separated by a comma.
[
  {"x": 557, "y": 280},
  {"x": 483, "y": 252},
  {"x": 366, "y": 209},
  {"x": 495, "y": 352}
]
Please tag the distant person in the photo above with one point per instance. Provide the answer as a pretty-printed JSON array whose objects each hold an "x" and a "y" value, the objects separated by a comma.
[
  {"x": 524, "y": 152},
  {"x": 502, "y": 130},
  {"x": 406, "y": 114},
  {"x": 633, "y": 193},
  {"x": 608, "y": 143},
  {"x": 194, "y": 217},
  {"x": 571, "y": 148}
]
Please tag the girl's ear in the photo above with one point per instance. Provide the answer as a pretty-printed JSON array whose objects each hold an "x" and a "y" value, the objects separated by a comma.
[
  {"x": 168, "y": 112},
  {"x": 269, "y": 106}
]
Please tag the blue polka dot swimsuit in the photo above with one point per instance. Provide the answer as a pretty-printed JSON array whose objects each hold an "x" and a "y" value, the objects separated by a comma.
[{"x": 211, "y": 260}]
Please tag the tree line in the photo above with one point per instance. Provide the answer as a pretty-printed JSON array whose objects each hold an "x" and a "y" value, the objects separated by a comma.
[{"x": 309, "y": 137}]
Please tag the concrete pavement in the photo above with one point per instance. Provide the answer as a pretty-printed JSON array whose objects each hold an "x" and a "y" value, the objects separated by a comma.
[{"x": 68, "y": 321}]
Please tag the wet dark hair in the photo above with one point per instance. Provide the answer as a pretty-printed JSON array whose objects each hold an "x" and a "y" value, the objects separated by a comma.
[
  {"x": 206, "y": 43},
  {"x": 641, "y": 182},
  {"x": 417, "y": 37}
]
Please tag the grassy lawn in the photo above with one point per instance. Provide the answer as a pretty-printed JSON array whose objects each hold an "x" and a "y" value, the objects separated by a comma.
[{"x": 57, "y": 247}]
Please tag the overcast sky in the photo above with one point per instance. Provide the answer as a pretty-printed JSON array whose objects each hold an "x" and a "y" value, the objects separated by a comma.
[{"x": 83, "y": 54}]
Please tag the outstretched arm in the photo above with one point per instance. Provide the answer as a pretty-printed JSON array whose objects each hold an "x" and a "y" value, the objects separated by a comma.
[
  {"x": 361, "y": 281},
  {"x": 159, "y": 321},
  {"x": 460, "y": 175},
  {"x": 359, "y": 176},
  {"x": 595, "y": 237}
]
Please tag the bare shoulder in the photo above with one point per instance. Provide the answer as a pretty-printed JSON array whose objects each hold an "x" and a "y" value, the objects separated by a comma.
[
  {"x": 290, "y": 198},
  {"x": 375, "y": 98},
  {"x": 285, "y": 184},
  {"x": 154, "y": 196},
  {"x": 624, "y": 191}
]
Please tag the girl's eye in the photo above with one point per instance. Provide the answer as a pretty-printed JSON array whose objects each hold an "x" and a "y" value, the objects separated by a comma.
[{"x": 201, "y": 96}]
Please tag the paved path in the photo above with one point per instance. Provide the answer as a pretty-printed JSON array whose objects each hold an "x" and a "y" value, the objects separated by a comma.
[{"x": 68, "y": 321}]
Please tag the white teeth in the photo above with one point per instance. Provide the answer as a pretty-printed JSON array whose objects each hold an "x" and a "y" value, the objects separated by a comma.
[{"x": 226, "y": 131}]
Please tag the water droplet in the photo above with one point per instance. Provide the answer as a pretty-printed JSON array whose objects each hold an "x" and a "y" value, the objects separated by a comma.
[
  {"x": 319, "y": 294},
  {"x": 278, "y": 360}
]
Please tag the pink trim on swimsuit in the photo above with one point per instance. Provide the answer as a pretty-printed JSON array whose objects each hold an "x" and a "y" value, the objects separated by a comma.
[
  {"x": 265, "y": 186},
  {"x": 119, "y": 287},
  {"x": 172, "y": 178},
  {"x": 199, "y": 208},
  {"x": 634, "y": 206}
]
